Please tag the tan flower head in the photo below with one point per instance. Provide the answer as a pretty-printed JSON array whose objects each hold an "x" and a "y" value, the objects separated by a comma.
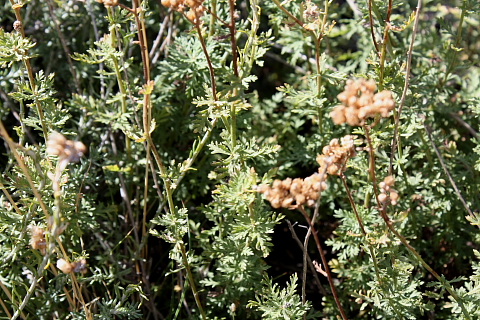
[
  {"x": 360, "y": 102},
  {"x": 37, "y": 240},
  {"x": 336, "y": 154},
  {"x": 108, "y": 3},
  {"x": 69, "y": 267},
  {"x": 71, "y": 151},
  {"x": 387, "y": 193},
  {"x": 196, "y": 11},
  {"x": 290, "y": 193}
]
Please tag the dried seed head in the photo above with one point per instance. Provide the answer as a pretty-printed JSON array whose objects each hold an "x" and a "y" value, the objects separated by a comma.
[
  {"x": 359, "y": 102},
  {"x": 196, "y": 8},
  {"x": 66, "y": 150},
  {"x": 291, "y": 193},
  {"x": 336, "y": 154},
  {"x": 37, "y": 240},
  {"x": 389, "y": 181},
  {"x": 311, "y": 12},
  {"x": 382, "y": 198},
  {"x": 17, "y": 25},
  {"x": 64, "y": 266},
  {"x": 69, "y": 267},
  {"x": 108, "y": 3},
  {"x": 80, "y": 266},
  {"x": 387, "y": 192}
]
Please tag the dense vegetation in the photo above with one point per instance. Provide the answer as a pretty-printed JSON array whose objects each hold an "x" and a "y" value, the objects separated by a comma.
[{"x": 240, "y": 160}]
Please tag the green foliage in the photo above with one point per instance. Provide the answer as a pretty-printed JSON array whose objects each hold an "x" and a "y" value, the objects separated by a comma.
[
  {"x": 276, "y": 303},
  {"x": 162, "y": 219}
]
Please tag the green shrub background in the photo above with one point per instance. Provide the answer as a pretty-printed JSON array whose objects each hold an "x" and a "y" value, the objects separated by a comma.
[{"x": 183, "y": 121}]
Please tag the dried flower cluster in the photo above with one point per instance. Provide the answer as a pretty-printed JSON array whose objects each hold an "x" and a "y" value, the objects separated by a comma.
[
  {"x": 386, "y": 186},
  {"x": 37, "y": 239},
  {"x": 359, "y": 102},
  {"x": 69, "y": 267},
  {"x": 196, "y": 11},
  {"x": 311, "y": 11},
  {"x": 108, "y": 3},
  {"x": 291, "y": 193},
  {"x": 17, "y": 25},
  {"x": 67, "y": 151},
  {"x": 336, "y": 154}
]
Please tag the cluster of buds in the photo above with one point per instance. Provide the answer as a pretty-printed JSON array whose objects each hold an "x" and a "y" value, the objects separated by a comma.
[
  {"x": 37, "y": 239},
  {"x": 69, "y": 267},
  {"x": 336, "y": 155},
  {"x": 67, "y": 151},
  {"x": 311, "y": 12},
  {"x": 359, "y": 102},
  {"x": 386, "y": 186},
  {"x": 196, "y": 11},
  {"x": 108, "y": 3},
  {"x": 291, "y": 193}
]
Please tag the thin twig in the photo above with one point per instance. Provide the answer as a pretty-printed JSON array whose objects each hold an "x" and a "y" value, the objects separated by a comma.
[
  {"x": 207, "y": 56},
  {"x": 64, "y": 46},
  {"x": 309, "y": 232},
  {"x": 233, "y": 34},
  {"x": 310, "y": 263},
  {"x": 383, "y": 51},
  {"x": 156, "y": 43},
  {"x": 371, "y": 168},
  {"x": 279, "y": 5},
  {"x": 21, "y": 163},
  {"x": 28, "y": 67},
  {"x": 463, "y": 123},
  {"x": 324, "y": 262},
  {"x": 352, "y": 203},
  {"x": 35, "y": 279},
  {"x": 405, "y": 86},
  {"x": 442, "y": 162},
  {"x": 372, "y": 31}
]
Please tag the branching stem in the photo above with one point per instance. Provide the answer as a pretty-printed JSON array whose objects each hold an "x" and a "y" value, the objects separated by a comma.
[{"x": 311, "y": 224}]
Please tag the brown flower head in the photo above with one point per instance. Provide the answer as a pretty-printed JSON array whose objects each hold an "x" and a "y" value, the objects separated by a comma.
[
  {"x": 360, "y": 102},
  {"x": 37, "y": 239}
]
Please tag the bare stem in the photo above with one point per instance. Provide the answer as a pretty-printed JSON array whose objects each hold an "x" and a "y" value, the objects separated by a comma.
[
  {"x": 324, "y": 261},
  {"x": 121, "y": 84},
  {"x": 383, "y": 52},
  {"x": 405, "y": 87},
  {"x": 24, "y": 168},
  {"x": 372, "y": 31},
  {"x": 442, "y": 162},
  {"x": 371, "y": 169},
  {"x": 310, "y": 263},
  {"x": 209, "y": 62},
  {"x": 64, "y": 46},
  {"x": 352, "y": 203}
]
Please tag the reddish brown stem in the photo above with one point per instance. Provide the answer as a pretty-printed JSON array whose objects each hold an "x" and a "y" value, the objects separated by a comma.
[
  {"x": 233, "y": 41},
  {"x": 371, "y": 167},
  {"x": 324, "y": 261},
  {"x": 352, "y": 203},
  {"x": 370, "y": 16}
]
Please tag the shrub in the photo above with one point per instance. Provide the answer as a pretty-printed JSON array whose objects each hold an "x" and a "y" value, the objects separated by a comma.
[{"x": 156, "y": 154}]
